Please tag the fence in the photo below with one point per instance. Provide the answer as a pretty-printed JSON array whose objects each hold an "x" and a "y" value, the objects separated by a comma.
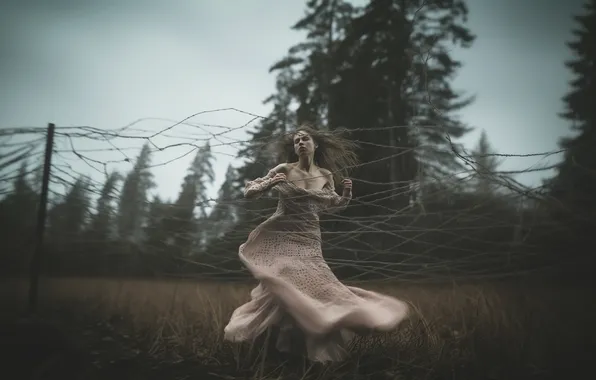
[{"x": 474, "y": 223}]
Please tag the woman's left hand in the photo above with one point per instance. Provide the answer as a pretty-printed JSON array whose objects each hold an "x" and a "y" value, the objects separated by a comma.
[{"x": 347, "y": 187}]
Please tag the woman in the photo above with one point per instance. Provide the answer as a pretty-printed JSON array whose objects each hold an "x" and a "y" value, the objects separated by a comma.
[{"x": 297, "y": 288}]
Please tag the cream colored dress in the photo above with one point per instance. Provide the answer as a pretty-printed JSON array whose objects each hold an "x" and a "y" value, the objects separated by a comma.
[{"x": 297, "y": 288}]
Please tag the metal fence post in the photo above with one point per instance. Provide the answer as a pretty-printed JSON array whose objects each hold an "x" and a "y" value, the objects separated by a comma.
[{"x": 41, "y": 222}]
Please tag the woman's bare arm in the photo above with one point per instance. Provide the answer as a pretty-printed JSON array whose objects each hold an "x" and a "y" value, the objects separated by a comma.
[{"x": 336, "y": 202}]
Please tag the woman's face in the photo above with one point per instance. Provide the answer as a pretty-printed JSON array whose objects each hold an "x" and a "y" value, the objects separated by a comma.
[{"x": 304, "y": 145}]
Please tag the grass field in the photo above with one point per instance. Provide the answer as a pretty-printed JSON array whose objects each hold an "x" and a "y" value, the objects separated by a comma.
[{"x": 467, "y": 331}]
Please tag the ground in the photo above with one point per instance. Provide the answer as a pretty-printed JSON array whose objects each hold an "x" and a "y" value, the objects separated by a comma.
[{"x": 135, "y": 329}]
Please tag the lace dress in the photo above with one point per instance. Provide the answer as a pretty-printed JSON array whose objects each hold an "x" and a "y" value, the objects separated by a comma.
[{"x": 296, "y": 286}]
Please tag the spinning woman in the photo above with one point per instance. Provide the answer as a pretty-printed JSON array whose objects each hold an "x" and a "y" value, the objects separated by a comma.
[{"x": 297, "y": 288}]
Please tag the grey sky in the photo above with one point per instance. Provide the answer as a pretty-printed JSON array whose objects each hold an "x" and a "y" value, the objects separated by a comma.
[{"x": 108, "y": 63}]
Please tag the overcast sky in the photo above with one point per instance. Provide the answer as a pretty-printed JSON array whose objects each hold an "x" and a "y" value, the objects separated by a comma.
[{"x": 109, "y": 63}]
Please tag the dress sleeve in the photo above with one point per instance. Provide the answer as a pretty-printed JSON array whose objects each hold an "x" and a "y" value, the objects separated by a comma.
[
  {"x": 335, "y": 202},
  {"x": 257, "y": 187}
]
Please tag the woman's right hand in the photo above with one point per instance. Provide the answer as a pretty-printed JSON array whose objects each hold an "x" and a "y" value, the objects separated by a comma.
[{"x": 279, "y": 177}]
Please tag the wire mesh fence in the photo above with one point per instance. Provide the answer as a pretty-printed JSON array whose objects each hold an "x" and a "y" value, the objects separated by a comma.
[{"x": 118, "y": 204}]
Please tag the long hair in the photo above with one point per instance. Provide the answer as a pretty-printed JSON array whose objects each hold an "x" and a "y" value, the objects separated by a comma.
[{"x": 334, "y": 152}]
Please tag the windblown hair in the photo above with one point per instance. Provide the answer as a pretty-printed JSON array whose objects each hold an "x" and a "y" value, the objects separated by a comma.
[{"x": 334, "y": 153}]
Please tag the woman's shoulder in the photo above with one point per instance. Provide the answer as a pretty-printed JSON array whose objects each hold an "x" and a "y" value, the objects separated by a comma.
[
  {"x": 281, "y": 168},
  {"x": 325, "y": 172},
  {"x": 328, "y": 177}
]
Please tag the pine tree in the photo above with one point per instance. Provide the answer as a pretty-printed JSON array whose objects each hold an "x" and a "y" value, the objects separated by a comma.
[
  {"x": 396, "y": 96},
  {"x": 133, "y": 205},
  {"x": 485, "y": 166},
  {"x": 225, "y": 214},
  {"x": 23, "y": 191},
  {"x": 186, "y": 225},
  {"x": 37, "y": 178},
  {"x": 574, "y": 185},
  {"x": 18, "y": 221},
  {"x": 102, "y": 226},
  {"x": 203, "y": 176},
  {"x": 159, "y": 242},
  {"x": 156, "y": 229},
  {"x": 68, "y": 218},
  {"x": 324, "y": 22},
  {"x": 575, "y": 182}
]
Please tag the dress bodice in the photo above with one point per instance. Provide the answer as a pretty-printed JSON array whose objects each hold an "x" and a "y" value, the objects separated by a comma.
[{"x": 295, "y": 200}]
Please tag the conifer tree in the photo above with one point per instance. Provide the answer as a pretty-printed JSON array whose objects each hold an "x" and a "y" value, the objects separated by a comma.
[
  {"x": 575, "y": 182},
  {"x": 485, "y": 166},
  {"x": 102, "y": 221},
  {"x": 188, "y": 214},
  {"x": 133, "y": 204},
  {"x": 225, "y": 214},
  {"x": 69, "y": 217}
]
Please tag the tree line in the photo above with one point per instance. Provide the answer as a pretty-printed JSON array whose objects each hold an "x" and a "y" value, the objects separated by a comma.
[{"x": 383, "y": 73}]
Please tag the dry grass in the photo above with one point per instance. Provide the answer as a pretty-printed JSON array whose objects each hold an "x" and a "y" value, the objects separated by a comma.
[{"x": 498, "y": 331}]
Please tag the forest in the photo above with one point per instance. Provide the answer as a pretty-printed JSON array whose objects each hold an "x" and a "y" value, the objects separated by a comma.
[{"x": 424, "y": 209}]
